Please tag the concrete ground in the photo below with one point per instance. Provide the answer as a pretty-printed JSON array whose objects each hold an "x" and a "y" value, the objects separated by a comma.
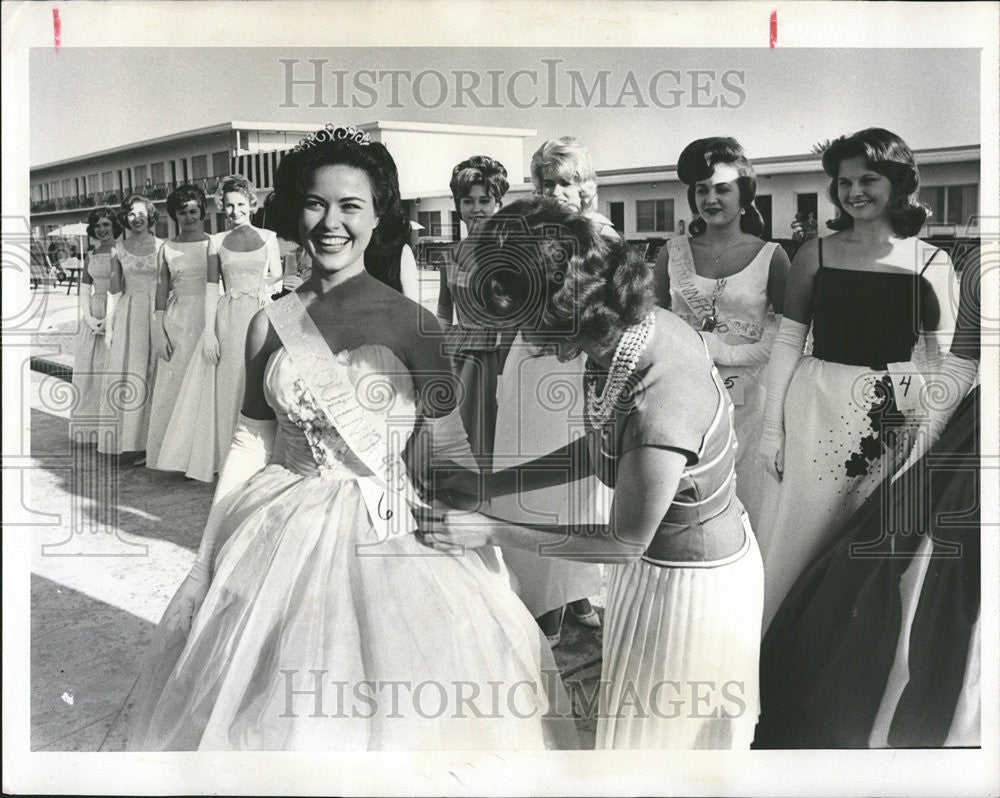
[{"x": 111, "y": 543}]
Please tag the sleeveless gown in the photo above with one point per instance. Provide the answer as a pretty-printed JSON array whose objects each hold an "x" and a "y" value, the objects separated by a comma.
[
  {"x": 296, "y": 605},
  {"x": 742, "y": 312},
  {"x": 91, "y": 356},
  {"x": 201, "y": 426},
  {"x": 844, "y": 431},
  {"x": 128, "y": 386},
  {"x": 184, "y": 321}
]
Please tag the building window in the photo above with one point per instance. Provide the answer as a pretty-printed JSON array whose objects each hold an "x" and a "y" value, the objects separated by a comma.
[
  {"x": 93, "y": 184},
  {"x": 220, "y": 164},
  {"x": 141, "y": 179},
  {"x": 220, "y": 221},
  {"x": 156, "y": 173},
  {"x": 431, "y": 222},
  {"x": 107, "y": 181},
  {"x": 67, "y": 188},
  {"x": 199, "y": 166},
  {"x": 654, "y": 216},
  {"x": 952, "y": 205}
]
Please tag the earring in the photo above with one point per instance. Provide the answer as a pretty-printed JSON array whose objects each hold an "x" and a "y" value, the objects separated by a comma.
[{"x": 743, "y": 211}]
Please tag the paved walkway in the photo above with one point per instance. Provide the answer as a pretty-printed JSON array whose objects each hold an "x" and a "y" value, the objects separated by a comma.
[{"x": 111, "y": 545}]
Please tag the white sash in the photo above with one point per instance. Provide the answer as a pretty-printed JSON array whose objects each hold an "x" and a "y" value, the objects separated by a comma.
[
  {"x": 391, "y": 493},
  {"x": 683, "y": 276}
]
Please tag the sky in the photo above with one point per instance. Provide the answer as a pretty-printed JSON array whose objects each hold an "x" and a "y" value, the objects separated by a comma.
[{"x": 654, "y": 101}]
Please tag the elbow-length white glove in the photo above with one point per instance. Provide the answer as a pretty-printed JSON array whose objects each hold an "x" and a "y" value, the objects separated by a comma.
[
  {"x": 789, "y": 343},
  {"x": 944, "y": 389},
  {"x": 209, "y": 340},
  {"x": 749, "y": 354},
  {"x": 251, "y": 450}
]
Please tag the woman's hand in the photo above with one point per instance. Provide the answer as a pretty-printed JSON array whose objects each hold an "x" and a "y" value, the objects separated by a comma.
[
  {"x": 210, "y": 346},
  {"x": 772, "y": 453},
  {"x": 458, "y": 487},
  {"x": 185, "y": 604},
  {"x": 161, "y": 341},
  {"x": 453, "y": 531}
]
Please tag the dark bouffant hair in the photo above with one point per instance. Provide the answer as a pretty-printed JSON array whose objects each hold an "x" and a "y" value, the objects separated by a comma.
[
  {"x": 181, "y": 196},
  {"x": 697, "y": 163},
  {"x": 103, "y": 213},
  {"x": 479, "y": 170},
  {"x": 284, "y": 205},
  {"x": 152, "y": 215},
  {"x": 886, "y": 153},
  {"x": 545, "y": 269}
]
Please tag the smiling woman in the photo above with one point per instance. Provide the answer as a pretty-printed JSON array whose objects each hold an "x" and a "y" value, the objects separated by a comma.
[
  {"x": 131, "y": 364},
  {"x": 880, "y": 304},
  {"x": 247, "y": 261},
  {"x": 281, "y": 591}
]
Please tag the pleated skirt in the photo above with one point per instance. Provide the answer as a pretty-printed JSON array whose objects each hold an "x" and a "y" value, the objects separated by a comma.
[{"x": 681, "y": 653}]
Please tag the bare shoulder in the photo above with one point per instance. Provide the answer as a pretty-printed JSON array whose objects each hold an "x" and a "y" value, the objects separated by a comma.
[{"x": 262, "y": 338}]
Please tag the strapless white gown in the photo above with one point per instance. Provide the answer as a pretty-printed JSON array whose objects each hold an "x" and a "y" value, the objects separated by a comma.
[{"x": 316, "y": 635}]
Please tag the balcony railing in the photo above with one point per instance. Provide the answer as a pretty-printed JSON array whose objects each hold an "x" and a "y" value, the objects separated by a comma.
[{"x": 157, "y": 192}]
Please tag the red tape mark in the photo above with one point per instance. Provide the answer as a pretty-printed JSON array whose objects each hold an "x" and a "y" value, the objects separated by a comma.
[
  {"x": 774, "y": 27},
  {"x": 56, "y": 29}
]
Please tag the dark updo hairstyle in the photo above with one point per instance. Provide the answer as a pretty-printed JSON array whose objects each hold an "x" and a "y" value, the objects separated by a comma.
[
  {"x": 152, "y": 215},
  {"x": 545, "y": 269},
  {"x": 697, "y": 162},
  {"x": 479, "y": 170},
  {"x": 103, "y": 213},
  {"x": 181, "y": 196},
  {"x": 886, "y": 153},
  {"x": 284, "y": 206}
]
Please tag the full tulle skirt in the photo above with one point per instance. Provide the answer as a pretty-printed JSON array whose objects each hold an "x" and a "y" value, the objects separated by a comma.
[{"x": 317, "y": 635}]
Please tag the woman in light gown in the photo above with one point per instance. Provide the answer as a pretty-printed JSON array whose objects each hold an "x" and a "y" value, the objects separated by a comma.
[
  {"x": 298, "y": 584},
  {"x": 179, "y": 319},
  {"x": 131, "y": 363},
  {"x": 248, "y": 261},
  {"x": 540, "y": 408},
  {"x": 838, "y": 422},
  {"x": 723, "y": 280},
  {"x": 478, "y": 351},
  {"x": 682, "y": 627},
  {"x": 90, "y": 355},
  {"x": 878, "y": 644}
]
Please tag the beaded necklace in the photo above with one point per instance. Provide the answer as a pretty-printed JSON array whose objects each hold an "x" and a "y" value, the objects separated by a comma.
[{"x": 630, "y": 348}]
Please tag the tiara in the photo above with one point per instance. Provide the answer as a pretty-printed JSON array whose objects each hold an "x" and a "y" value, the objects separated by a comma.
[{"x": 331, "y": 132}]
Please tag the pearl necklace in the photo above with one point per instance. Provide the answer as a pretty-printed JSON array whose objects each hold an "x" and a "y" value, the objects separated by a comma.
[{"x": 630, "y": 347}]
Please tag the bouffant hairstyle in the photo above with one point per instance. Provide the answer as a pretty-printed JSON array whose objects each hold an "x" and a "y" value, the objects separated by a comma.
[
  {"x": 546, "y": 270},
  {"x": 697, "y": 162},
  {"x": 886, "y": 153},
  {"x": 239, "y": 184},
  {"x": 103, "y": 213},
  {"x": 284, "y": 206},
  {"x": 571, "y": 161},
  {"x": 181, "y": 196},
  {"x": 479, "y": 170},
  {"x": 152, "y": 215}
]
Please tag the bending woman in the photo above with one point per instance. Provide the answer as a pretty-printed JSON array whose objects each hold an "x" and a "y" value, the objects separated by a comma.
[
  {"x": 684, "y": 592},
  {"x": 838, "y": 422},
  {"x": 298, "y": 578}
]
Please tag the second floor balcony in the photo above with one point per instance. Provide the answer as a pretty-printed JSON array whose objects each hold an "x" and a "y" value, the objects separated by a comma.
[{"x": 157, "y": 192}]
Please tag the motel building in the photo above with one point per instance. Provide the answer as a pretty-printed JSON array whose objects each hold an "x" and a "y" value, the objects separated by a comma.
[{"x": 646, "y": 204}]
